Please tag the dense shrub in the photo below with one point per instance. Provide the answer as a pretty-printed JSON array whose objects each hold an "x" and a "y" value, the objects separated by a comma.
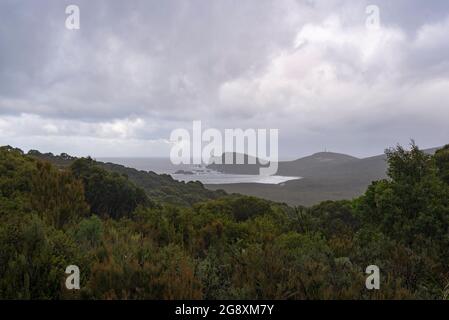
[{"x": 230, "y": 247}]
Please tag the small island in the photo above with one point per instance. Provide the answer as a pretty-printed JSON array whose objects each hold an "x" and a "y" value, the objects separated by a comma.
[{"x": 184, "y": 172}]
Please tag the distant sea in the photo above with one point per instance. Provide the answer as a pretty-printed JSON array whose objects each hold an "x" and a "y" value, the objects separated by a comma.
[{"x": 200, "y": 172}]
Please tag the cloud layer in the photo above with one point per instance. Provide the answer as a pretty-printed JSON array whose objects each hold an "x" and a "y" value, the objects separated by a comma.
[{"x": 136, "y": 71}]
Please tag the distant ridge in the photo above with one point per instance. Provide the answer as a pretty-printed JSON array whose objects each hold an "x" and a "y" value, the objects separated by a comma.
[
  {"x": 310, "y": 165},
  {"x": 287, "y": 168},
  {"x": 326, "y": 176}
]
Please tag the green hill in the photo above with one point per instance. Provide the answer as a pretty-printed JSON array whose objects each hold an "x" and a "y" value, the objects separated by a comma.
[{"x": 162, "y": 188}]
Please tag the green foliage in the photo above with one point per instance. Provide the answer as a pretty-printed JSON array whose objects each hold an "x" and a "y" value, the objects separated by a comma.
[
  {"x": 162, "y": 188},
  {"x": 170, "y": 240},
  {"x": 57, "y": 195},
  {"x": 108, "y": 194},
  {"x": 442, "y": 163},
  {"x": 89, "y": 232},
  {"x": 33, "y": 259}
]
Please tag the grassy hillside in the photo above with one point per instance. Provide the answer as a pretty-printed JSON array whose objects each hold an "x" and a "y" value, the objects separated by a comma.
[{"x": 162, "y": 188}]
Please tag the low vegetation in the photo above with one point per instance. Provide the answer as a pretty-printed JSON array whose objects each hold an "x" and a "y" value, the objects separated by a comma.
[{"x": 136, "y": 238}]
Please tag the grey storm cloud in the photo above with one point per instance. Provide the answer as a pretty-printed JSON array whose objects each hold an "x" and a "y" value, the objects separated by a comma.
[{"x": 138, "y": 69}]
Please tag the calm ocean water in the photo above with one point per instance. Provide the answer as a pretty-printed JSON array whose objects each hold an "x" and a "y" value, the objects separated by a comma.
[{"x": 201, "y": 173}]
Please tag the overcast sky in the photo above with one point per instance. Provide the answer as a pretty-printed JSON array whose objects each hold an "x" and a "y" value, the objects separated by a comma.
[{"x": 136, "y": 70}]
